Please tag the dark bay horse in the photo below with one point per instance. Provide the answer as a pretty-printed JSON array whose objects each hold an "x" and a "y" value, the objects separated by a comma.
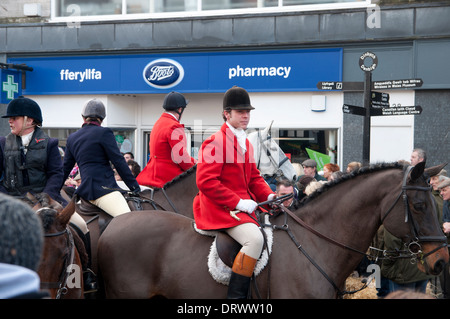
[
  {"x": 60, "y": 269},
  {"x": 144, "y": 255},
  {"x": 176, "y": 195}
]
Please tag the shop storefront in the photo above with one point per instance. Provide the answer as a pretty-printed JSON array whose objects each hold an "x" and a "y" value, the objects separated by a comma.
[{"x": 282, "y": 86}]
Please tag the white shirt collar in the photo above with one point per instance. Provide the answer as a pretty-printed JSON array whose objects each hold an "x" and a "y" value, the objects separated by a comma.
[
  {"x": 241, "y": 136},
  {"x": 26, "y": 139},
  {"x": 172, "y": 115}
]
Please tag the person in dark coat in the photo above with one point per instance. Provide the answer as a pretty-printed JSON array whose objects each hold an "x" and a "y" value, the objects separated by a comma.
[
  {"x": 94, "y": 148},
  {"x": 29, "y": 159}
]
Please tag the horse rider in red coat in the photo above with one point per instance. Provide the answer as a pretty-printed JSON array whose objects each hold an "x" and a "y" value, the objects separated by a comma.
[
  {"x": 228, "y": 181},
  {"x": 168, "y": 147}
]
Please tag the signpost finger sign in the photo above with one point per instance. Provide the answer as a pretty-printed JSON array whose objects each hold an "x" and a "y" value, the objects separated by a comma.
[{"x": 375, "y": 103}]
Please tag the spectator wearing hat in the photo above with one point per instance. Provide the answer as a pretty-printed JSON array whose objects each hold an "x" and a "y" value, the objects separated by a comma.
[
  {"x": 434, "y": 182},
  {"x": 443, "y": 187},
  {"x": 29, "y": 159},
  {"x": 21, "y": 244},
  {"x": 310, "y": 169},
  {"x": 168, "y": 147},
  {"x": 229, "y": 182}
]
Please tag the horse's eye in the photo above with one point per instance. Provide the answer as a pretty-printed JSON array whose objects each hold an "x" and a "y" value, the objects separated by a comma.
[{"x": 419, "y": 206}]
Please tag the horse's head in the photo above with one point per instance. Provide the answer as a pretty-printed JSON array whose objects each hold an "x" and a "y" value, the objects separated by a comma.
[
  {"x": 269, "y": 157},
  {"x": 40, "y": 200},
  {"x": 59, "y": 248},
  {"x": 413, "y": 218}
]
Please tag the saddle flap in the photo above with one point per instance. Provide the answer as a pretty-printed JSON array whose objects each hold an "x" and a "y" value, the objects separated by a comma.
[
  {"x": 227, "y": 248},
  {"x": 87, "y": 208}
]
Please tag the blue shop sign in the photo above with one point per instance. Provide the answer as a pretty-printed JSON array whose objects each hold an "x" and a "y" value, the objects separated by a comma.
[
  {"x": 263, "y": 71},
  {"x": 10, "y": 85}
]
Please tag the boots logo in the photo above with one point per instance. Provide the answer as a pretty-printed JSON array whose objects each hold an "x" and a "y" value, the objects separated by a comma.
[{"x": 163, "y": 73}]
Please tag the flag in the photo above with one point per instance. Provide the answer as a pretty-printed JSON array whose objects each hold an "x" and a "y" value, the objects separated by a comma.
[{"x": 321, "y": 159}]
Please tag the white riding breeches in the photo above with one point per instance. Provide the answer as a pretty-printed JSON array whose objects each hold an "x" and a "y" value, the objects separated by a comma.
[
  {"x": 113, "y": 203},
  {"x": 250, "y": 237}
]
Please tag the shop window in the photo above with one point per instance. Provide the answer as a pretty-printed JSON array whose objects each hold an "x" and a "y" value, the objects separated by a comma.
[
  {"x": 61, "y": 134},
  {"x": 125, "y": 140},
  {"x": 193, "y": 138},
  {"x": 294, "y": 143},
  {"x": 124, "y": 137},
  {"x": 123, "y": 8}
]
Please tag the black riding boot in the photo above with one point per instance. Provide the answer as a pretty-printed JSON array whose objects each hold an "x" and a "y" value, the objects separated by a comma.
[
  {"x": 241, "y": 274},
  {"x": 238, "y": 286},
  {"x": 89, "y": 277}
]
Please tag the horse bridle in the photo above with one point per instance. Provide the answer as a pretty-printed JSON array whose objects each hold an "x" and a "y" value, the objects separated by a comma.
[
  {"x": 414, "y": 227},
  {"x": 61, "y": 284},
  {"x": 408, "y": 218}
]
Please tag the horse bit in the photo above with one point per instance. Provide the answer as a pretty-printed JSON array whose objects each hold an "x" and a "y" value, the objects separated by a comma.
[{"x": 61, "y": 284}]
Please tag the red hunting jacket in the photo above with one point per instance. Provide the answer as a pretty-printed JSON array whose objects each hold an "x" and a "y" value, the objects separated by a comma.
[
  {"x": 168, "y": 155},
  {"x": 224, "y": 176}
]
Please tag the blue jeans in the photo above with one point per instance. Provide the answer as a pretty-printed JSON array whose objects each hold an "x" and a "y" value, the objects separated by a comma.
[{"x": 417, "y": 286}]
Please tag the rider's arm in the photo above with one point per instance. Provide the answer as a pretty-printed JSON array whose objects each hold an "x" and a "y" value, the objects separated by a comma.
[
  {"x": 54, "y": 168},
  {"x": 117, "y": 159}
]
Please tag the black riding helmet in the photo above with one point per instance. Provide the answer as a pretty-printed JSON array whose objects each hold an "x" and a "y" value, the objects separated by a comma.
[
  {"x": 23, "y": 106},
  {"x": 173, "y": 101},
  {"x": 237, "y": 98}
]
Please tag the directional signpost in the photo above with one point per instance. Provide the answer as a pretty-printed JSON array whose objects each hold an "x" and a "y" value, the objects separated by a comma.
[
  {"x": 375, "y": 103},
  {"x": 343, "y": 86}
]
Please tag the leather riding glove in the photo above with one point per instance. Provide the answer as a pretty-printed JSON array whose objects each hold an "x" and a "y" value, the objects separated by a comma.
[
  {"x": 246, "y": 205},
  {"x": 135, "y": 192}
]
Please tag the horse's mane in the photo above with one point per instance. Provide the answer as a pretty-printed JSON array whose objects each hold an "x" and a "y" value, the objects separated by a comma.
[
  {"x": 181, "y": 176},
  {"x": 347, "y": 176}
]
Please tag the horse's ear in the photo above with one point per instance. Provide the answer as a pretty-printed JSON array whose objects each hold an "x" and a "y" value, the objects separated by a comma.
[
  {"x": 417, "y": 171},
  {"x": 432, "y": 171},
  {"x": 65, "y": 215}
]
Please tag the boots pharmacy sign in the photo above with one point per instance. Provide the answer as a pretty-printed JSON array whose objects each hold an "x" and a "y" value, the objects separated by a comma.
[
  {"x": 209, "y": 72},
  {"x": 10, "y": 85},
  {"x": 163, "y": 73}
]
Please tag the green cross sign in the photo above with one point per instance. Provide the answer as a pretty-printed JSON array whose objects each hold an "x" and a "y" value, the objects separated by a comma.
[{"x": 10, "y": 87}]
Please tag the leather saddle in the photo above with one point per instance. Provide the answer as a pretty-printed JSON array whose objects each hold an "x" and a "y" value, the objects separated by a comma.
[
  {"x": 90, "y": 212},
  {"x": 227, "y": 248}
]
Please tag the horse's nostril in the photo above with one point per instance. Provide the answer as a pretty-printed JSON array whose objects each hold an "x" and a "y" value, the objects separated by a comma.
[{"x": 438, "y": 267}]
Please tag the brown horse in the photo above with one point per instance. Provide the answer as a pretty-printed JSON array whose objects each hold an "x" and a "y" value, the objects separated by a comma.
[
  {"x": 60, "y": 269},
  {"x": 176, "y": 195},
  {"x": 144, "y": 255}
]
